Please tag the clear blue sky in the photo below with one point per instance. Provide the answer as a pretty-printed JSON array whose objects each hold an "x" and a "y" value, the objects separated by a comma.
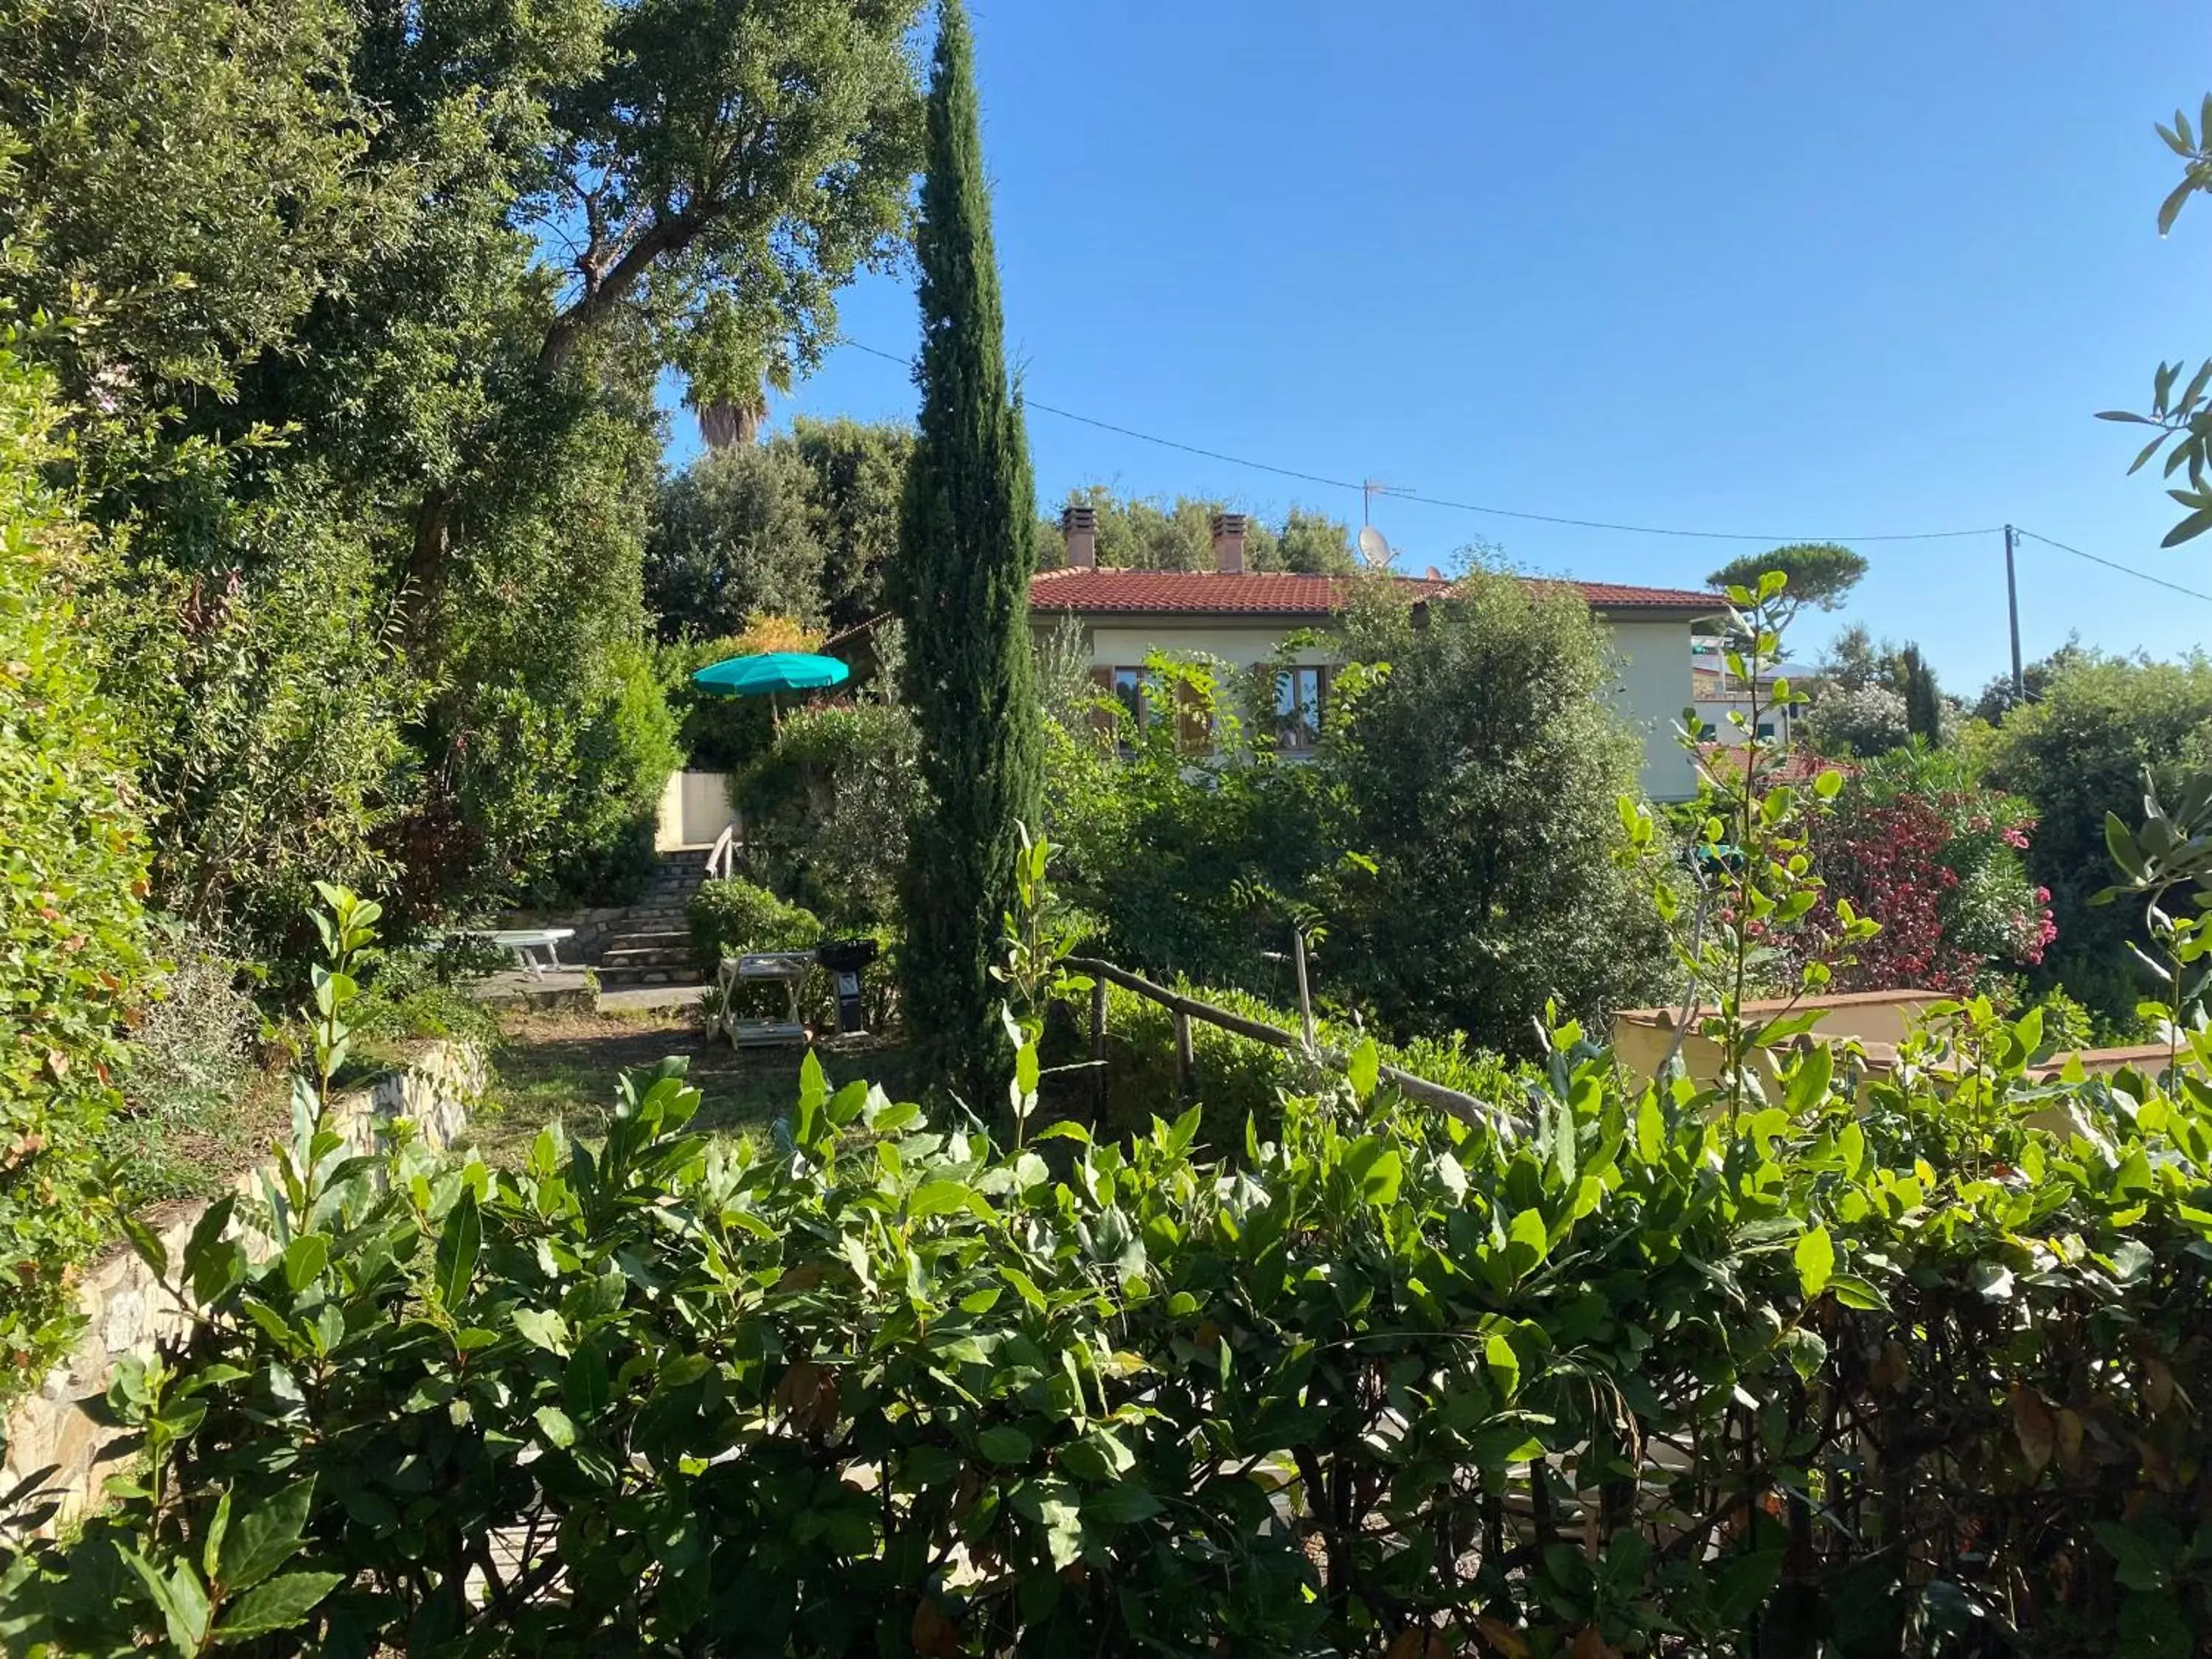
[{"x": 1805, "y": 270}]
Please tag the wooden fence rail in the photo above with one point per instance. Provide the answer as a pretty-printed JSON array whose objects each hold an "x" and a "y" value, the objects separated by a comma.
[{"x": 1466, "y": 1108}]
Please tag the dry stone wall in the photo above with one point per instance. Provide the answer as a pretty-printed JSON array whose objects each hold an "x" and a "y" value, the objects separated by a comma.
[{"x": 127, "y": 1312}]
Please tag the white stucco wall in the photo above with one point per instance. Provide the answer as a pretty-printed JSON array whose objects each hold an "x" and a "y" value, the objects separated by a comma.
[
  {"x": 1653, "y": 663},
  {"x": 1127, "y": 645}
]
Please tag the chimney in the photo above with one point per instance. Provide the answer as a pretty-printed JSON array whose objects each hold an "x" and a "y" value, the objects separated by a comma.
[
  {"x": 1080, "y": 525},
  {"x": 1229, "y": 544}
]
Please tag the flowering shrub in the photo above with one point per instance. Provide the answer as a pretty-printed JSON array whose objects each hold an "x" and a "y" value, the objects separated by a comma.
[{"x": 1918, "y": 842}]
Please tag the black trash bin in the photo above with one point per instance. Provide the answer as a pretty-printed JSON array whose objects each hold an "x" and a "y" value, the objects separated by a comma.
[{"x": 844, "y": 959}]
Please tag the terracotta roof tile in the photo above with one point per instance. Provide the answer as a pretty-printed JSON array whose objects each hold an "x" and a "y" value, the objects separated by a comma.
[{"x": 1271, "y": 593}]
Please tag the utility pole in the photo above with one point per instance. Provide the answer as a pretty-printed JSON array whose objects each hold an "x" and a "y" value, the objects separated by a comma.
[{"x": 2012, "y": 606}]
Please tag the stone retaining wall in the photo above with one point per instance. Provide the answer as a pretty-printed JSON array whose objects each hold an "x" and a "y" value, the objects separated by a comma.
[{"x": 127, "y": 1312}]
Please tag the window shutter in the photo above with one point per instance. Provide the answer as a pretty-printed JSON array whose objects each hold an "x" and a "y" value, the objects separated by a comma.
[{"x": 1102, "y": 712}]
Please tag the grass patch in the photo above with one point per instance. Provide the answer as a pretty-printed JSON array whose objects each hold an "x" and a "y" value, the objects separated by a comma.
[{"x": 564, "y": 1066}]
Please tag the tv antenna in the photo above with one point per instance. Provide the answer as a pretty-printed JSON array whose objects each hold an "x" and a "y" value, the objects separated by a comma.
[{"x": 1370, "y": 489}]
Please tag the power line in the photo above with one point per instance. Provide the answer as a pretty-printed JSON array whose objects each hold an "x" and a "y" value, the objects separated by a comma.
[
  {"x": 2124, "y": 569},
  {"x": 1029, "y": 402},
  {"x": 1434, "y": 501}
]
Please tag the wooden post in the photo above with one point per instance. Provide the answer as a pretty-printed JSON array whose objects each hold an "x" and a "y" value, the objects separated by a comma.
[
  {"x": 1305, "y": 995},
  {"x": 1185, "y": 1064},
  {"x": 1097, "y": 1050}
]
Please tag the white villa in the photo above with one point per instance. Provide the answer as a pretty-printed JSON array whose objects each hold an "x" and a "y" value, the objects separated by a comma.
[{"x": 1242, "y": 617}]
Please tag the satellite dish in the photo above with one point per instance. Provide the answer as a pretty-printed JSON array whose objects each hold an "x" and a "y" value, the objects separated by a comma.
[{"x": 1374, "y": 548}]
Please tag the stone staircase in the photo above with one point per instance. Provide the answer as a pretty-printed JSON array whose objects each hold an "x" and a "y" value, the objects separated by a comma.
[{"x": 651, "y": 943}]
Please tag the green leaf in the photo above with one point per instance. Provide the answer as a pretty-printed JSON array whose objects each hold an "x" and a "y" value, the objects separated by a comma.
[
  {"x": 266, "y": 1536},
  {"x": 1816, "y": 1256},
  {"x": 1504, "y": 1364},
  {"x": 1364, "y": 1067},
  {"x": 813, "y": 1091},
  {"x": 1530, "y": 1240},
  {"x": 458, "y": 1245},
  {"x": 181, "y": 1597},
  {"x": 847, "y": 1103},
  {"x": 585, "y": 1384},
  {"x": 555, "y": 1425},
  {"x": 1004, "y": 1443},
  {"x": 1376, "y": 1169},
  {"x": 150, "y": 1249},
  {"x": 1122, "y": 1503},
  {"x": 1855, "y": 1293},
  {"x": 542, "y": 1327},
  {"x": 2120, "y": 843},
  {"x": 2177, "y": 199},
  {"x": 1650, "y": 1129},
  {"x": 2190, "y": 528},
  {"x": 939, "y": 1198},
  {"x": 280, "y": 1604},
  {"x": 218, "y": 1529},
  {"x": 1744, "y": 1583},
  {"x": 2143, "y": 1567},
  {"x": 304, "y": 1259},
  {"x": 1805, "y": 1350},
  {"x": 1808, "y": 1083}
]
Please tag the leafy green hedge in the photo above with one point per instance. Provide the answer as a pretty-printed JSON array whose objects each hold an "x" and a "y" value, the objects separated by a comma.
[
  {"x": 73, "y": 867},
  {"x": 730, "y": 918},
  {"x": 1234, "y": 1077},
  {"x": 1919, "y": 1376}
]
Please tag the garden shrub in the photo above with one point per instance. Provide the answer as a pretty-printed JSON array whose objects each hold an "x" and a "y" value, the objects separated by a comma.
[
  {"x": 2077, "y": 752},
  {"x": 1919, "y": 1376},
  {"x": 185, "y": 1067},
  {"x": 602, "y": 850},
  {"x": 1167, "y": 846},
  {"x": 1483, "y": 774},
  {"x": 730, "y": 918},
  {"x": 1234, "y": 1078},
  {"x": 73, "y": 877},
  {"x": 1919, "y": 843},
  {"x": 826, "y": 809},
  {"x": 267, "y": 707}
]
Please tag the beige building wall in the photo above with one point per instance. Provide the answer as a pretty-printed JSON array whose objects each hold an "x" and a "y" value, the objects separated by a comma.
[
  {"x": 1653, "y": 664},
  {"x": 1654, "y": 690},
  {"x": 694, "y": 809}
]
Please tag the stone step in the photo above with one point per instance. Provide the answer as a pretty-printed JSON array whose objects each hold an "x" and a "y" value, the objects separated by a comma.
[
  {"x": 646, "y": 955},
  {"x": 613, "y": 974},
  {"x": 650, "y": 939}
]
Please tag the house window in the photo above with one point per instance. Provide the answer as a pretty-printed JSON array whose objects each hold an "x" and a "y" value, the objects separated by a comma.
[
  {"x": 1298, "y": 708},
  {"x": 1129, "y": 692},
  {"x": 1766, "y": 729}
]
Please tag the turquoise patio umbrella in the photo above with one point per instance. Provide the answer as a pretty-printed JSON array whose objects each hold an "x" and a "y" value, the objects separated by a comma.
[{"x": 771, "y": 673}]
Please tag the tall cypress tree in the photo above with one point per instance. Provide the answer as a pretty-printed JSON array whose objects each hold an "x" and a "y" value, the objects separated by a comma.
[
  {"x": 1923, "y": 705},
  {"x": 967, "y": 549}
]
